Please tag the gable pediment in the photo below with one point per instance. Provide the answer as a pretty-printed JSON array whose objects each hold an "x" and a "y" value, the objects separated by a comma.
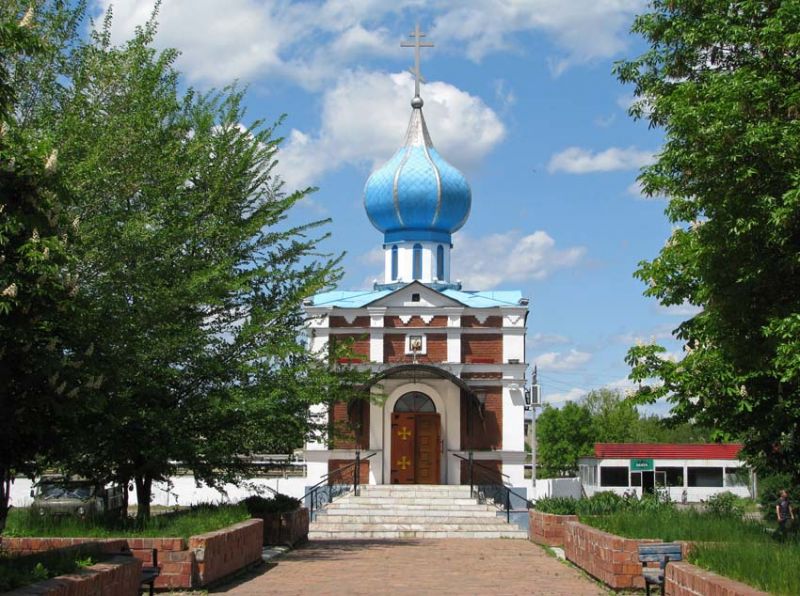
[{"x": 405, "y": 298}]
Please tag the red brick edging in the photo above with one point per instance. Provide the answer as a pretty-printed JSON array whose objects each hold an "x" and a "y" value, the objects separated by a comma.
[
  {"x": 685, "y": 579},
  {"x": 547, "y": 528},
  {"x": 118, "y": 576},
  {"x": 207, "y": 558}
]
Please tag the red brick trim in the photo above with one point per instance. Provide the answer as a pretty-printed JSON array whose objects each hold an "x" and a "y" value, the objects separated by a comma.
[
  {"x": 685, "y": 579},
  {"x": 548, "y": 528},
  {"x": 118, "y": 576}
]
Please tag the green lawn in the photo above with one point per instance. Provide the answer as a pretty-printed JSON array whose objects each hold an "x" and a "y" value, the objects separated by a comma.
[
  {"x": 184, "y": 523},
  {"x": 741, "y": 550}
]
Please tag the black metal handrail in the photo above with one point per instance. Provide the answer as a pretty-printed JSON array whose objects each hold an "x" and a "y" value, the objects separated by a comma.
[
  {"x": 483, "y": 483},
  {"x": 324, "y": 492}
]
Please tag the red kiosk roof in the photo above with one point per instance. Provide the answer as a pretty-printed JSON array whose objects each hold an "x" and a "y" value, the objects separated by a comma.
[{"x": 667, "y": 450}]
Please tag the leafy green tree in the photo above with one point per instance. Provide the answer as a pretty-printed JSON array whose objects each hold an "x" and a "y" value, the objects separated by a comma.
[
  {"x": 614, "y": 419},
  {"x": 562, "y": 436},
  {"x": 188, "y": 278},
  {"x": 38, "y": 368},
  {"x": 721, "y": 79}
]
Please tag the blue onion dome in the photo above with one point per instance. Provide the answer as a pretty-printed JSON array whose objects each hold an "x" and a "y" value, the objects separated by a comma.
[{"x": 417, "y": 195}]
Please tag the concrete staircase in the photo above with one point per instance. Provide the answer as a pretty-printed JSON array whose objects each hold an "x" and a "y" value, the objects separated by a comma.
[{"x": 411, "y": 511}]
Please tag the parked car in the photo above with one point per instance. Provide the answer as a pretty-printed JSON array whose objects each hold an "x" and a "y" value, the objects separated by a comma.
[{"x": 81, "y": 497}]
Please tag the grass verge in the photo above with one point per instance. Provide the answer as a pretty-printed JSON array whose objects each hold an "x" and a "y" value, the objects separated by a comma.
[{"x": 182, "y": 524}]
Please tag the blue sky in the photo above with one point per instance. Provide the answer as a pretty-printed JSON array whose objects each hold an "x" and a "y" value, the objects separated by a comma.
[{"x": 519, "y": 96}]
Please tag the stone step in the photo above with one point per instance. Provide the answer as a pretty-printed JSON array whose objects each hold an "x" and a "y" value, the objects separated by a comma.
[
  {"x": 449, "y": 502},
  {"x": 408, "y": 509},
  {"x": 418, "y": 511},
  {"x": 397, "y": 534},
  {"x": 400, "y": 518},
  {"x": 330, "y": 526},
  {"x": 416, "y": 488}
]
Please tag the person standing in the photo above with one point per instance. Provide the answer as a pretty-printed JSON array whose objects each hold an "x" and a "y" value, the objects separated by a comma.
[{"x": 785, "y": 513}]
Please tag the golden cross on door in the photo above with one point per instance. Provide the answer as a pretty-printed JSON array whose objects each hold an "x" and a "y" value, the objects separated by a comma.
[
  {"x": 404, "y": 433},
  {"x": 403, "y": 463}
]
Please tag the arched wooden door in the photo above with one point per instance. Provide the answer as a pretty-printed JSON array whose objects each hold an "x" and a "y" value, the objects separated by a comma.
[{"x": 416, "y": 441}]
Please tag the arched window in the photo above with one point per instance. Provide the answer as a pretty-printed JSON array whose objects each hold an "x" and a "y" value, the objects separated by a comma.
[
  {"x": 394, "y": 262},
  {"x": 416, "y": 269},
  {"x": 440, "y": 262},
  {"x": 414, "y": 402}
]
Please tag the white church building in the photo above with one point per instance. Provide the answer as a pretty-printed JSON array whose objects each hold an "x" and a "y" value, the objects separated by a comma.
[{"x": 448, "y": 363}]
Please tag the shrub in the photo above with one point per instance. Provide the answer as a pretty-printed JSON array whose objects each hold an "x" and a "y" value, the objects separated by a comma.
[
  {"x": 280, "y": 503},
  {"x": 724, "y": 504},
  {"x": 601, "y": 503},
  {"x": 557, "y": 505}
]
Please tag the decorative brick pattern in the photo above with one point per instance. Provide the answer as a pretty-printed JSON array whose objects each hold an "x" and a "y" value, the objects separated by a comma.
[
  {"x": 482, "y": 432},
  {"x": 685, "y": 579},
  {"x": 548, "y": 528},
  {"x": 482, "y": 348},
  {"x": 337, "y": 322},
  {"x": 415, "y": 321},
  {"x": 221, "y": 553},
  {"x": 611, "y": 559},
  {"x": 472, "y": 321},
  {"x": 394, "y": 348},
  {"x": 119, "y": 576},
  {"x": 359, "y": 345}
]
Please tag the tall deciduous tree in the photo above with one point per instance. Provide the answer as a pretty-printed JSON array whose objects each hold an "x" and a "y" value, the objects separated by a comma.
[
  {"x": 721, "y": 79},
  {"x": 189, "y": 277},
  {"x": 38, "y": 367}
]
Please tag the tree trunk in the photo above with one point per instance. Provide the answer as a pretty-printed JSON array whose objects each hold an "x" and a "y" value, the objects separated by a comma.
[
  {"x": 144, "y": 485},
  {"x": 5, "y": 494},
  {"x": 123, "y": 514}
]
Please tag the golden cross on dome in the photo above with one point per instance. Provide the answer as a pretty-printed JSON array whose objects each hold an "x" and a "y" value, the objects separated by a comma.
[
  {"x": 403, "y": 463},
  {"x": 404, "y": 433},
  {"x": 417, "y": 36}
]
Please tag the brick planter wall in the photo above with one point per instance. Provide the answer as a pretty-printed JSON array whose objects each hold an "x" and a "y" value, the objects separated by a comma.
[
  {"x": 30, "y": 546},
  {"x": 611, "y": 559},
  {"x": 285, "y": 528},
  {"x": 548, "y": 528},
  {"x": 226, "y": 551},
  {"x": 207, "y": 558},
  {"x": 119, "y": 576},
  {"x": 685, "y": 579}
]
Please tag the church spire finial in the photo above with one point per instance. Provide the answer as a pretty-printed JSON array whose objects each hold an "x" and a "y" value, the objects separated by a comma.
[{"x": 418, "y": 43}]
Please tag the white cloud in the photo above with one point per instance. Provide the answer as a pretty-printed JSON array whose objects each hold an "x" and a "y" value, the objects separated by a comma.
[
  {"x": 559, "y": 398},
  {"x": 547, "y": 339},
  {"x": 583, "y": 30},
  {"x": 680, "y": 310},
  {"x": 364, "y": 118},
  {"x": 576, "y": 160},
  {"x": 495, "y": 259},
  {"x": 504, "y": 94},
  {"x": 312, "y": 42},
  {"x": 571, "y": 360}
]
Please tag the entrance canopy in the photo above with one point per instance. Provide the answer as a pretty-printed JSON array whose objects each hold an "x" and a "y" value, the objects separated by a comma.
[{"x": 417, "y": 372}]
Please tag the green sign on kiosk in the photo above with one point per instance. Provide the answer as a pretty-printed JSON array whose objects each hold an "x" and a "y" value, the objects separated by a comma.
[{"x": 641, "y": 465}]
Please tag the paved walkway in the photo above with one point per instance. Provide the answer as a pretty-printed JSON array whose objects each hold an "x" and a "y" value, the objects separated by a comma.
[{"x": 410, "y": 567}]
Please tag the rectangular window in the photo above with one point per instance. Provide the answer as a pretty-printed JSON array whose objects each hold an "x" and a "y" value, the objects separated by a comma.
[
  {"x": 636, "y": 479},
  {"x": 736, "y": 477},
  {"x": 614, "y": 476},
  {"x": 705, "y": 477},
  {"x": 674, "y": 475}
]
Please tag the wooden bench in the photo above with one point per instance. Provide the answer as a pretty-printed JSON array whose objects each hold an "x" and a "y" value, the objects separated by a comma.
[{"x": 661, "y": 554}]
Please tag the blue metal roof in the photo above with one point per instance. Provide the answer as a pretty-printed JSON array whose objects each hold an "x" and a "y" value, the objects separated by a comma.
[
  {"x": 361, "y": 298},
  {"x": 417, "y": 195}
]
